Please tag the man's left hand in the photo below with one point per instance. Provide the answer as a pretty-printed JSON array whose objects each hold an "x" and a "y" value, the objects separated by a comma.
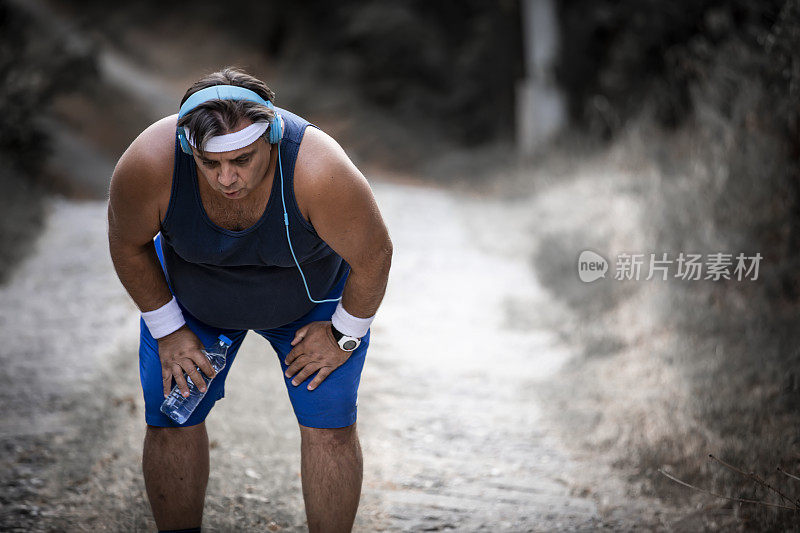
[{"x": 314, "y": 349}]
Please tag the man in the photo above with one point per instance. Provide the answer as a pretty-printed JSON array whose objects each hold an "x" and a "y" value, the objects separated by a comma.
[{"x": 260, "y": 223}]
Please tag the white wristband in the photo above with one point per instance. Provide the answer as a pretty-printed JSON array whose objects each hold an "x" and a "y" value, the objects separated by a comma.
[
  {"x": 164, "y": 320},
  {"x": 348, "y": 324}
]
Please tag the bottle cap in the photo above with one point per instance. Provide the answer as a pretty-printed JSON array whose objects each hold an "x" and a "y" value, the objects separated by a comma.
[{"x": 225, "y": 340}]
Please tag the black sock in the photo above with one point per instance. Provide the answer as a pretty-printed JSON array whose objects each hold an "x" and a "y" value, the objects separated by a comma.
[{"x": 190, "y": 530}]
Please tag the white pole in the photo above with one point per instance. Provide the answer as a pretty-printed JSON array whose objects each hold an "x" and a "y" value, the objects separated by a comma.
[{"x": 540, "y": 104}]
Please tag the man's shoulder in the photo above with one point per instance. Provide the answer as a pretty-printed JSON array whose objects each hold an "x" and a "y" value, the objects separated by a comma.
[
  {"x": 143, "y": 174},
  {"x": 319, "y": 156},
  {"x": 324, "y": 175}
]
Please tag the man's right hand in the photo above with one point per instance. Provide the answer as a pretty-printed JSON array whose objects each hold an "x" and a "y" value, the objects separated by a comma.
[{"x": 180, "y": 352}]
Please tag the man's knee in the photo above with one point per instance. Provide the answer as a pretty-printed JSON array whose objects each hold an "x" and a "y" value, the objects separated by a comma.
[
  {"x": 328, "y": 436},
  {"x": 176, "y": 434}
]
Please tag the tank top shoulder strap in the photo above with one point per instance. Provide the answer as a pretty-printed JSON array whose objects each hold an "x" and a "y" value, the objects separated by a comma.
[
  {"x": 294, "y": 129},
  {"x": 182, "y": 192}
]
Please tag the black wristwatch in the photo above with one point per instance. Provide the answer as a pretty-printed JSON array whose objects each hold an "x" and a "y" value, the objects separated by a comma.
[{"x": 346, "y": 342}]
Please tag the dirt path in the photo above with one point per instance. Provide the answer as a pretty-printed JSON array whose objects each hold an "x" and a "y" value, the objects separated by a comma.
[{"x": 451, "y": 427}]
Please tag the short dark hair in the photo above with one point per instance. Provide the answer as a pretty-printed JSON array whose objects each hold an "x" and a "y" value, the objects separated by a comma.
[{"x": 217, "y": 117}]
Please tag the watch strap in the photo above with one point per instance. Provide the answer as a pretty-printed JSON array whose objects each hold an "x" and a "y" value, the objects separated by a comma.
[
  {"x": 336, "y": 333},
  {"x": 349, "y": 343}
]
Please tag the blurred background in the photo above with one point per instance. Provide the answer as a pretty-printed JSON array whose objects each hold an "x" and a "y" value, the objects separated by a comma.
[{"x": 501, "y": 140}]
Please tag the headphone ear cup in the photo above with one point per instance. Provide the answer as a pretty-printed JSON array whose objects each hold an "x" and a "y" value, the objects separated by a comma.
[
  {"x": 275, "y": 130},
  {"x": 184, "y": 143}
]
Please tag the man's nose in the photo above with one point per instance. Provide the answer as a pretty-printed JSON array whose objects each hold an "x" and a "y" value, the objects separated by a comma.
[{"x": 227, "y": 176}]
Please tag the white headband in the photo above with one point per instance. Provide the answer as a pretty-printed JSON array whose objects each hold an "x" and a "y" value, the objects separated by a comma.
[{"x": 232, "y": 141}]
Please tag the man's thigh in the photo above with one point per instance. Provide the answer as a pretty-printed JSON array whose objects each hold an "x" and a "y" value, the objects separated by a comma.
[
  {"x": 150, "y": 372},
  {"x": 333, "y": 404}
]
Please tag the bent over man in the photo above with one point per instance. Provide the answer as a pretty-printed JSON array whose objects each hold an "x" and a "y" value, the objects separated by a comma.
[{"x": 231, "y": 216}]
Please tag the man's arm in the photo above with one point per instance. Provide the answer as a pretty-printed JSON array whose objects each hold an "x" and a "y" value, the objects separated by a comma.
[
  {"x": 136, "y": 189},
  {"x": 341, "y": 207},
  {"x": 139, "y": 184},
  {"x": 339, "y": 203}
]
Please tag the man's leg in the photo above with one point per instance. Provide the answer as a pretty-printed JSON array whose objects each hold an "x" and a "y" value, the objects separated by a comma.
[
  {"x": 332, "y": 470},
  {"x": 175, "y": 465}
]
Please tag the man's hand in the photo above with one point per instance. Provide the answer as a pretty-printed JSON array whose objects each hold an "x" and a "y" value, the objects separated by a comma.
[
  {"x": 180, "y": 352},
  {"x": 314, "y": 349}
]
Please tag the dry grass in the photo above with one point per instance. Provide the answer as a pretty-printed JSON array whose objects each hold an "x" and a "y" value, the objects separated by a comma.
[{"x": 672, "y": 371}]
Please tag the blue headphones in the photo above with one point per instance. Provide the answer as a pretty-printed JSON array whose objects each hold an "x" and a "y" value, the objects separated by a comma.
[
  {"x": 228, "y": 92},
  {"x": 273, "y": 136}
]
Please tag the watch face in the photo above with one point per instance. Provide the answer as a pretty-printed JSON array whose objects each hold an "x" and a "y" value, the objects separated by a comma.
[{"x": 350, "y": 345}]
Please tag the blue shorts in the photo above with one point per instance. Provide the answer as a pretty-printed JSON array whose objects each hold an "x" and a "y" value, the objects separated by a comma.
[{"x": 331, "y": 405}]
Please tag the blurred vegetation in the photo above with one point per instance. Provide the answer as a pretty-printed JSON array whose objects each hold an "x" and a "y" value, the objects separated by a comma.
[
  {"x": 449, "y": 66},
  {"x": 710, "y": 90},
  {"x": 36, "y": 64},
  {"x": 728, "y": 74}
]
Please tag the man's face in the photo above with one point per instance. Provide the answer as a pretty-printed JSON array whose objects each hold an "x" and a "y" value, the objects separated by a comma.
[{"x": 236, "y": 173}]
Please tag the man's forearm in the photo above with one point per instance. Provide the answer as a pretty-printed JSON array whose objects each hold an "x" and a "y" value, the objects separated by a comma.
[
  {"x": 365, "y": 287},
  {"x": 140, "y": 273}
]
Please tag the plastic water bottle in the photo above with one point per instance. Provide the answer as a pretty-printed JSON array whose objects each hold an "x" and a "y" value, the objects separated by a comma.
[{"x": 179, "y": 408}]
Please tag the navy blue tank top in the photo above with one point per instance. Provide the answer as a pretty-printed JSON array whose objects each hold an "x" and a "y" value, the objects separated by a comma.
[{"x": 246, "y": 279}]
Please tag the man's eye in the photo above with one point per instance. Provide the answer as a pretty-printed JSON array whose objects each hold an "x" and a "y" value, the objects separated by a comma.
[
  {"x": 242, "y": 161},
  {"x": 209, "y": 163}
]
